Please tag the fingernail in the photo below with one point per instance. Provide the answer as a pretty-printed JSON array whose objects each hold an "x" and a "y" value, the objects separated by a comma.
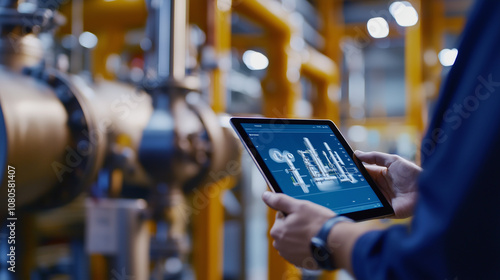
[
  {"x": 266, "y": 195},
  {"x": 357, "y": 152}
]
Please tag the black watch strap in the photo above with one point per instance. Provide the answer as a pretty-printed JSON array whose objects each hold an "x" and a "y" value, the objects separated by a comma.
[
  {"x": 326, "y": 262},
  {"x": 327, "y": 226}
]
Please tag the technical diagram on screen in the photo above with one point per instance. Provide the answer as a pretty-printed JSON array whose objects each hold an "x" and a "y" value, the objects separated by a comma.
[
  {"x": 325, "y": 176},
  {"x": 309, "y": 159}
]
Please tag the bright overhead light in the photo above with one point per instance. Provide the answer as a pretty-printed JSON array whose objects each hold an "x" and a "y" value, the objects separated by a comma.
[
  {"x": 447, "y": 57},
  {"x": 88, "y": 40},
  {"x": 255, "y": 60},
  {"x": 404, "y": 13},
  {"x": 378, "y": 27}
]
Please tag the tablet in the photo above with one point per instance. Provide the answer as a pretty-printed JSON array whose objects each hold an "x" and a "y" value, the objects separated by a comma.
[{"x": 311, "y": 160}]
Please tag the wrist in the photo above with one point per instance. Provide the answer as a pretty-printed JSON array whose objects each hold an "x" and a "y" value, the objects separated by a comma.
[
  {"x": 341, "y": 241},
  {"x": 320, "y": 248}
]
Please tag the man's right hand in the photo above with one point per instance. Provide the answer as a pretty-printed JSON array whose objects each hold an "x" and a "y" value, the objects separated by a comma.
[{"x": 397, "y": 179}]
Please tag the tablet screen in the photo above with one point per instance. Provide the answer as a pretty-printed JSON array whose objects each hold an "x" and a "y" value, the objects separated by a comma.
[{"x": 308, "y": 161}]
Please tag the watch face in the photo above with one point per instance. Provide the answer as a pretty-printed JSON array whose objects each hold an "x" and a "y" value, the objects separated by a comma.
[{"x": 320, "y": 252}]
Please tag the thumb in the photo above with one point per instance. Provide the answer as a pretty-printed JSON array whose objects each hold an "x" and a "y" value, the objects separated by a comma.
[
  {"x": 280, "y": 202},
  {"x": 377, "y": 158}
]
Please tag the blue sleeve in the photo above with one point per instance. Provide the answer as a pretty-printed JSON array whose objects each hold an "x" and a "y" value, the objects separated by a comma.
[{"x": 455, "y": 231}]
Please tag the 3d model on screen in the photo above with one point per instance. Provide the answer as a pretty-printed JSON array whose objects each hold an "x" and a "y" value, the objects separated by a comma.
[
  {"x": 288, "y": 157},
  {"x": 326, "y": 177}
]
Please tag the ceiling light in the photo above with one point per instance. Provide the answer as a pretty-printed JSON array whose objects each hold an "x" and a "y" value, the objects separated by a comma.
[
  {"x": 255, "y": 60},
  {"x": 404, "y": 13},
  {"x": 378, "y": 27},
  {"x": 447, "y": 57},
  {"x": 88, "y": 40}
]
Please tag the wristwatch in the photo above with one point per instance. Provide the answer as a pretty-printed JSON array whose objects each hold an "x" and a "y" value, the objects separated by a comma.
[{"x": 319, "y": 244}]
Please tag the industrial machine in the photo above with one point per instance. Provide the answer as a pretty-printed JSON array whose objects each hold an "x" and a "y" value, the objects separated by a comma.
[{"x": 133, "y": 151}]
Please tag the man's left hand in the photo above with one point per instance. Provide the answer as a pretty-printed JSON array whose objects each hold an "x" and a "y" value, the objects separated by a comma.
[{"x": 292, "y": 233}]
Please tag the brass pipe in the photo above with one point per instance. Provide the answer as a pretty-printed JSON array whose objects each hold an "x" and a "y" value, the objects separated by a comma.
[{"x": 36, "y": 134}]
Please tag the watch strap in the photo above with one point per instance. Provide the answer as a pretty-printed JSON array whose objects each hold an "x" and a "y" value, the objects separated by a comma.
[
  {"x": 322, "y": 238},
  {"x": 328, "y": 225}
]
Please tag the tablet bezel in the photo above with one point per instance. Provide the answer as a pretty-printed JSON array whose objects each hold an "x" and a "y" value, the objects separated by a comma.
[{"x": 237, "y": 122}]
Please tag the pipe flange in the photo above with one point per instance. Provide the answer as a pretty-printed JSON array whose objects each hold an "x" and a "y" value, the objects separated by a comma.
[{"x": 84, "y": 153}]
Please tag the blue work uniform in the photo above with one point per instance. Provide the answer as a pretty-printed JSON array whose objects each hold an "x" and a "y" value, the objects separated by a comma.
[{"x": 455, "y": 231}]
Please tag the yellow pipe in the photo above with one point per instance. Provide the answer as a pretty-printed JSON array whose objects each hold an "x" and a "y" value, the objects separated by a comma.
[
  {"x": 415, "y": 96},
  {"x": 360, "y": 32},
  {"x": 281, "y": 91},
  {"x": 330, "y": 12},
  {"x": 416, "y": 110},
  {"x": 208, "y": 224},
  {"x": 322, "y": 71},
  {"x": 208, "y": 229},
  {"x": 455, "y": 24},
  {"x": 245, "y": 42},
  {"x": 433, "y": 26},
  {"x": 268, "y": 14},
  {"x": 327, "y": 105},
  {"x": 281, "y": 86},
  {"x": 111, "y": 41},
  {"x": 318, "y": 66},
  {"x": 99, "y": 13},
  {"x": 208, "y": 240},
  {"x": 222, "y": 48}
]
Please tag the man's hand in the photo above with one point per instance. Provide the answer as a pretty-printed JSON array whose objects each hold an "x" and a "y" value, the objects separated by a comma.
[
  {"x": 292, "y": 234},
  {"x": 397, "y": 179}
]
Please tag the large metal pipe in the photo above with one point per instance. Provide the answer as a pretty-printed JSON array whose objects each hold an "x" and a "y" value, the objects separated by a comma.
[
  {"x": 167, "y": 25},
  {"x": 33, "y": 121},
  {"x": 35, "y": 133},
  {"x": 51, "y": 138},
  {"x": 46, "y": 128},
  {"x": 122, "y": 113}
]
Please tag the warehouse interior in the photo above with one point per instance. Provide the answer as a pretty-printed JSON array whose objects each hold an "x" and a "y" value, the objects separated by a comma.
[{"x": 115, "y": 116}]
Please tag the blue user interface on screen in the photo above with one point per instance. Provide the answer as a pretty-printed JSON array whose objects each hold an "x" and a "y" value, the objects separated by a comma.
[{"x": 309, "y": 162}]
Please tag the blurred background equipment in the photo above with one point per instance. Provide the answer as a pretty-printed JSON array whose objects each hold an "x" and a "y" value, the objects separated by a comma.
[
  {"x": 114, "y": 114},
  {"x": 135, "y": 154}
]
